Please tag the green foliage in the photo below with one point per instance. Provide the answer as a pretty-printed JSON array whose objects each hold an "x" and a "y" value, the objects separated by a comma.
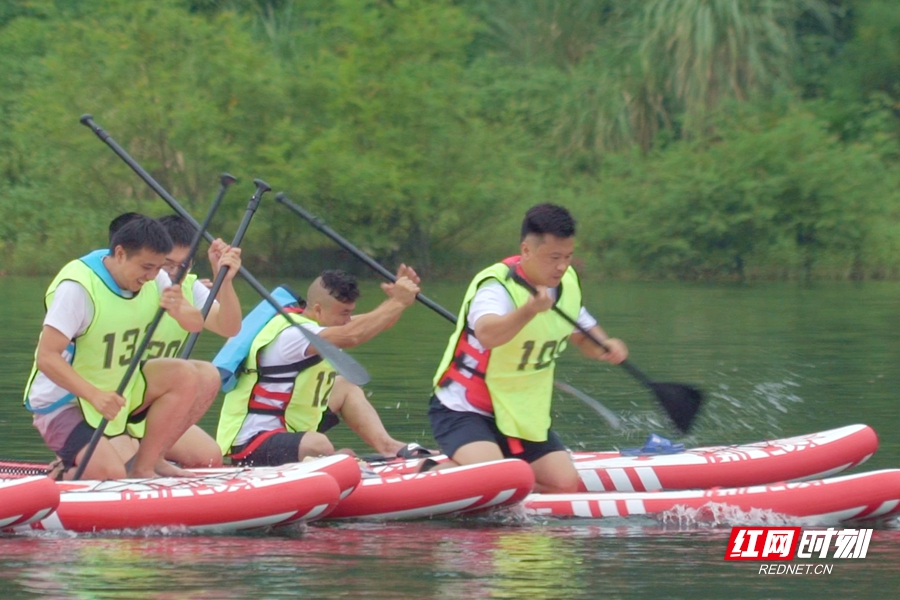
[
  {"x": 775, "y": 194},
  {"x": 697, "y": 138},
  {"x": 392, "y": 143}
]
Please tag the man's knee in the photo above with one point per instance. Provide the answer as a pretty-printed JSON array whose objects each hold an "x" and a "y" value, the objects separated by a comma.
[
  {"x": 562, "y": 483},
  {"x": 314, "y": 443},
  {"x": 105, "y": 463},
  {"x": 345, "y": 393},
  {"x": 173, "y": 375},
  {"x": 208, "y": 379},
  {"x": 554, "y": 473}
]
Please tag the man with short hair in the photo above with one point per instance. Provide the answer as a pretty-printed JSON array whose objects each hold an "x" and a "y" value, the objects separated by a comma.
[
  {"x": 195, "y": 448},
  {"x": 494, "y": 385},
  {"x": 224, "y": 317},
  {"x": 98, "y": 308},
  {"x": 288, "y": 397}
]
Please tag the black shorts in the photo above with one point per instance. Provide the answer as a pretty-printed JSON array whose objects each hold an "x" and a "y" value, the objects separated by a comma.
[
  {"x": 454, "y": 429},
  {"x": 281, "y": 448},
  {"x": 77, "y": 440}
]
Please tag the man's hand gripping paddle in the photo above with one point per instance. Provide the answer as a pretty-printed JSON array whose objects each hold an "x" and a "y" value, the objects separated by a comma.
[{"x": 681, "y": 402}]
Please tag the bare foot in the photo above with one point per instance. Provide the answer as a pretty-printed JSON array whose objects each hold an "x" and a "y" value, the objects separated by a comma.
[
  {"x": 140, "y": 474},
  {"x": 347, "y": 451},
  {"x": 166, "y": 469}
]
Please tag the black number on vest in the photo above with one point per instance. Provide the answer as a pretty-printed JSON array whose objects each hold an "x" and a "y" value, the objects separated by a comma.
[
  {"x": 321, "y": 397},
  {"x": 527, "y": 347},
  {"x": 173, "y": 349},
  {"x": 129, "y": 338},
  {"x": 155, "y": 350},
  {"x": 545, "y": 356},
  {"x": 109, "y": 339},
  {"x": 543, "y": 360}
]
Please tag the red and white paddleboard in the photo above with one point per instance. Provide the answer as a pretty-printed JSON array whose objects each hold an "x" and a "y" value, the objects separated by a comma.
[
  {"x": 448, "y": 491},
  {"x": 811, "y": 456},
  {"x": 344, "y": 469},
  {"x": 225, "y": 502},
  {"x": 26, "y": 500},
  {"x": 864, "y": 496}
]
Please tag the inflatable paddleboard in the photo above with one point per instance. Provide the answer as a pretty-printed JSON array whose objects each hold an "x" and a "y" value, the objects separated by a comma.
[
  {"x": 810, "y": 456},
  {"x": 225, "y": 502},
  {"x": 27, "y": 499},
  {"x": 850, "y": 497},
  {"x": 447, "y": 491}
]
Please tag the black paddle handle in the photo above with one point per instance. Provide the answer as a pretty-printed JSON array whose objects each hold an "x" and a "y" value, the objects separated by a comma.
[
  {"x": 261, "y": 188},
  {"x": 88, "y": 121},
  {"x": 343, "y": 363},
  {"x": 632, "y": 370},
  {"x": 373, "y": 264},
  {"x": 151, "y": 329}
]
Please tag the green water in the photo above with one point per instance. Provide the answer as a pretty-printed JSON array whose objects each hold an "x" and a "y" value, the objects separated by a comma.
[{"x": 774, "y": 360}]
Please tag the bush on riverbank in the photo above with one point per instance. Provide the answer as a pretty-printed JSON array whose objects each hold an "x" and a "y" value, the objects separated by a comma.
[{"x": 750, "y": 144}]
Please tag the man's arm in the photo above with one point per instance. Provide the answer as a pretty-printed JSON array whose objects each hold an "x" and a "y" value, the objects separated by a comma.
[
  {"x": 388, "y": 288},
  {"x": 225, "y": 315},
  {"x": 57, "y": 369},
  {"x": 617, "y": 349},
  {"x": 365, "y": 327},
  {"x": 186, "y": 314},
  {"x": 492, "y": 330}
]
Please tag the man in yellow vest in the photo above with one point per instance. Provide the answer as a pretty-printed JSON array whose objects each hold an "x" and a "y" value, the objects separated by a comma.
[
  {"x": 97, "y": 310},
  {"x": 195, "y": 448},
  {"x": 288, "y": 397},
  {"x": 493, "y": 388}
]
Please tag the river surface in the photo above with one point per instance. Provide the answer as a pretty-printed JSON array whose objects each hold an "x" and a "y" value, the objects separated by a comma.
[{"x": 774, "y": 360}]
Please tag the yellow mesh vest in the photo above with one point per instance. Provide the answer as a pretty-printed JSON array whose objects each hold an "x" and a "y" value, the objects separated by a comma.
[
  {"x": 103, "y": 352},
  {"x": 169, "y": 337},
  {"x": 308, "y": 397},
  {"x": 519, "y": 374}
]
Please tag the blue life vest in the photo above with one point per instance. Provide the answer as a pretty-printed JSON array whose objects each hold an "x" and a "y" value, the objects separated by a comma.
[{"x": 235, "y": 351}]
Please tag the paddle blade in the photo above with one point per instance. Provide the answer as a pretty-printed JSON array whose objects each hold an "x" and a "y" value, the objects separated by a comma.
[{"x": 681, "y": 402}]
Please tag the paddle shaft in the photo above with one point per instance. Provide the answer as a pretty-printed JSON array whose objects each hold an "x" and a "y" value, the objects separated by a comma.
[
  {"x": 372, "y": 263},
  {"x": 343, "y": 363},
  {"x": 261, "y": 188},
  {"x": 632, "y": 370},
  {"x": 316, "y": 222},
  {"x": 88, "y": 121},
  {"x": 151, "y": 329}
]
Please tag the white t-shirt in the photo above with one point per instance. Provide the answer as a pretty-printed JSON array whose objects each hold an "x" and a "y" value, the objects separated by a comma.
[
  {"x": 289, "y": 347},
  {"x": 70, "y": 313},
  {"x": 491, "y": 299}
]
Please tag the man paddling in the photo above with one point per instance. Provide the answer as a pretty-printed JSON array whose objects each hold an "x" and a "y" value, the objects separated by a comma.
[
  {"x": 288, "y": 397},
  {"x": 196, "y": 448},
  {"x": 493, "y": 388},
  {"x": 97, "y": 309}
]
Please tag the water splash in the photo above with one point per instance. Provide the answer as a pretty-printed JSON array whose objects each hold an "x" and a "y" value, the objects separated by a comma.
[{"x": 717, "y": 514}]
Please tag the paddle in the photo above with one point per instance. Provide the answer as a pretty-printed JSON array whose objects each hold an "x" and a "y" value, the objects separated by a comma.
[
  {"x": 681, "y": 402},
  {"x": 343, "y": 363},
  {"x": 261, "y": 188},
  {"x": 139, "y": 353},
  {"x": 604, "y": 412}
]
